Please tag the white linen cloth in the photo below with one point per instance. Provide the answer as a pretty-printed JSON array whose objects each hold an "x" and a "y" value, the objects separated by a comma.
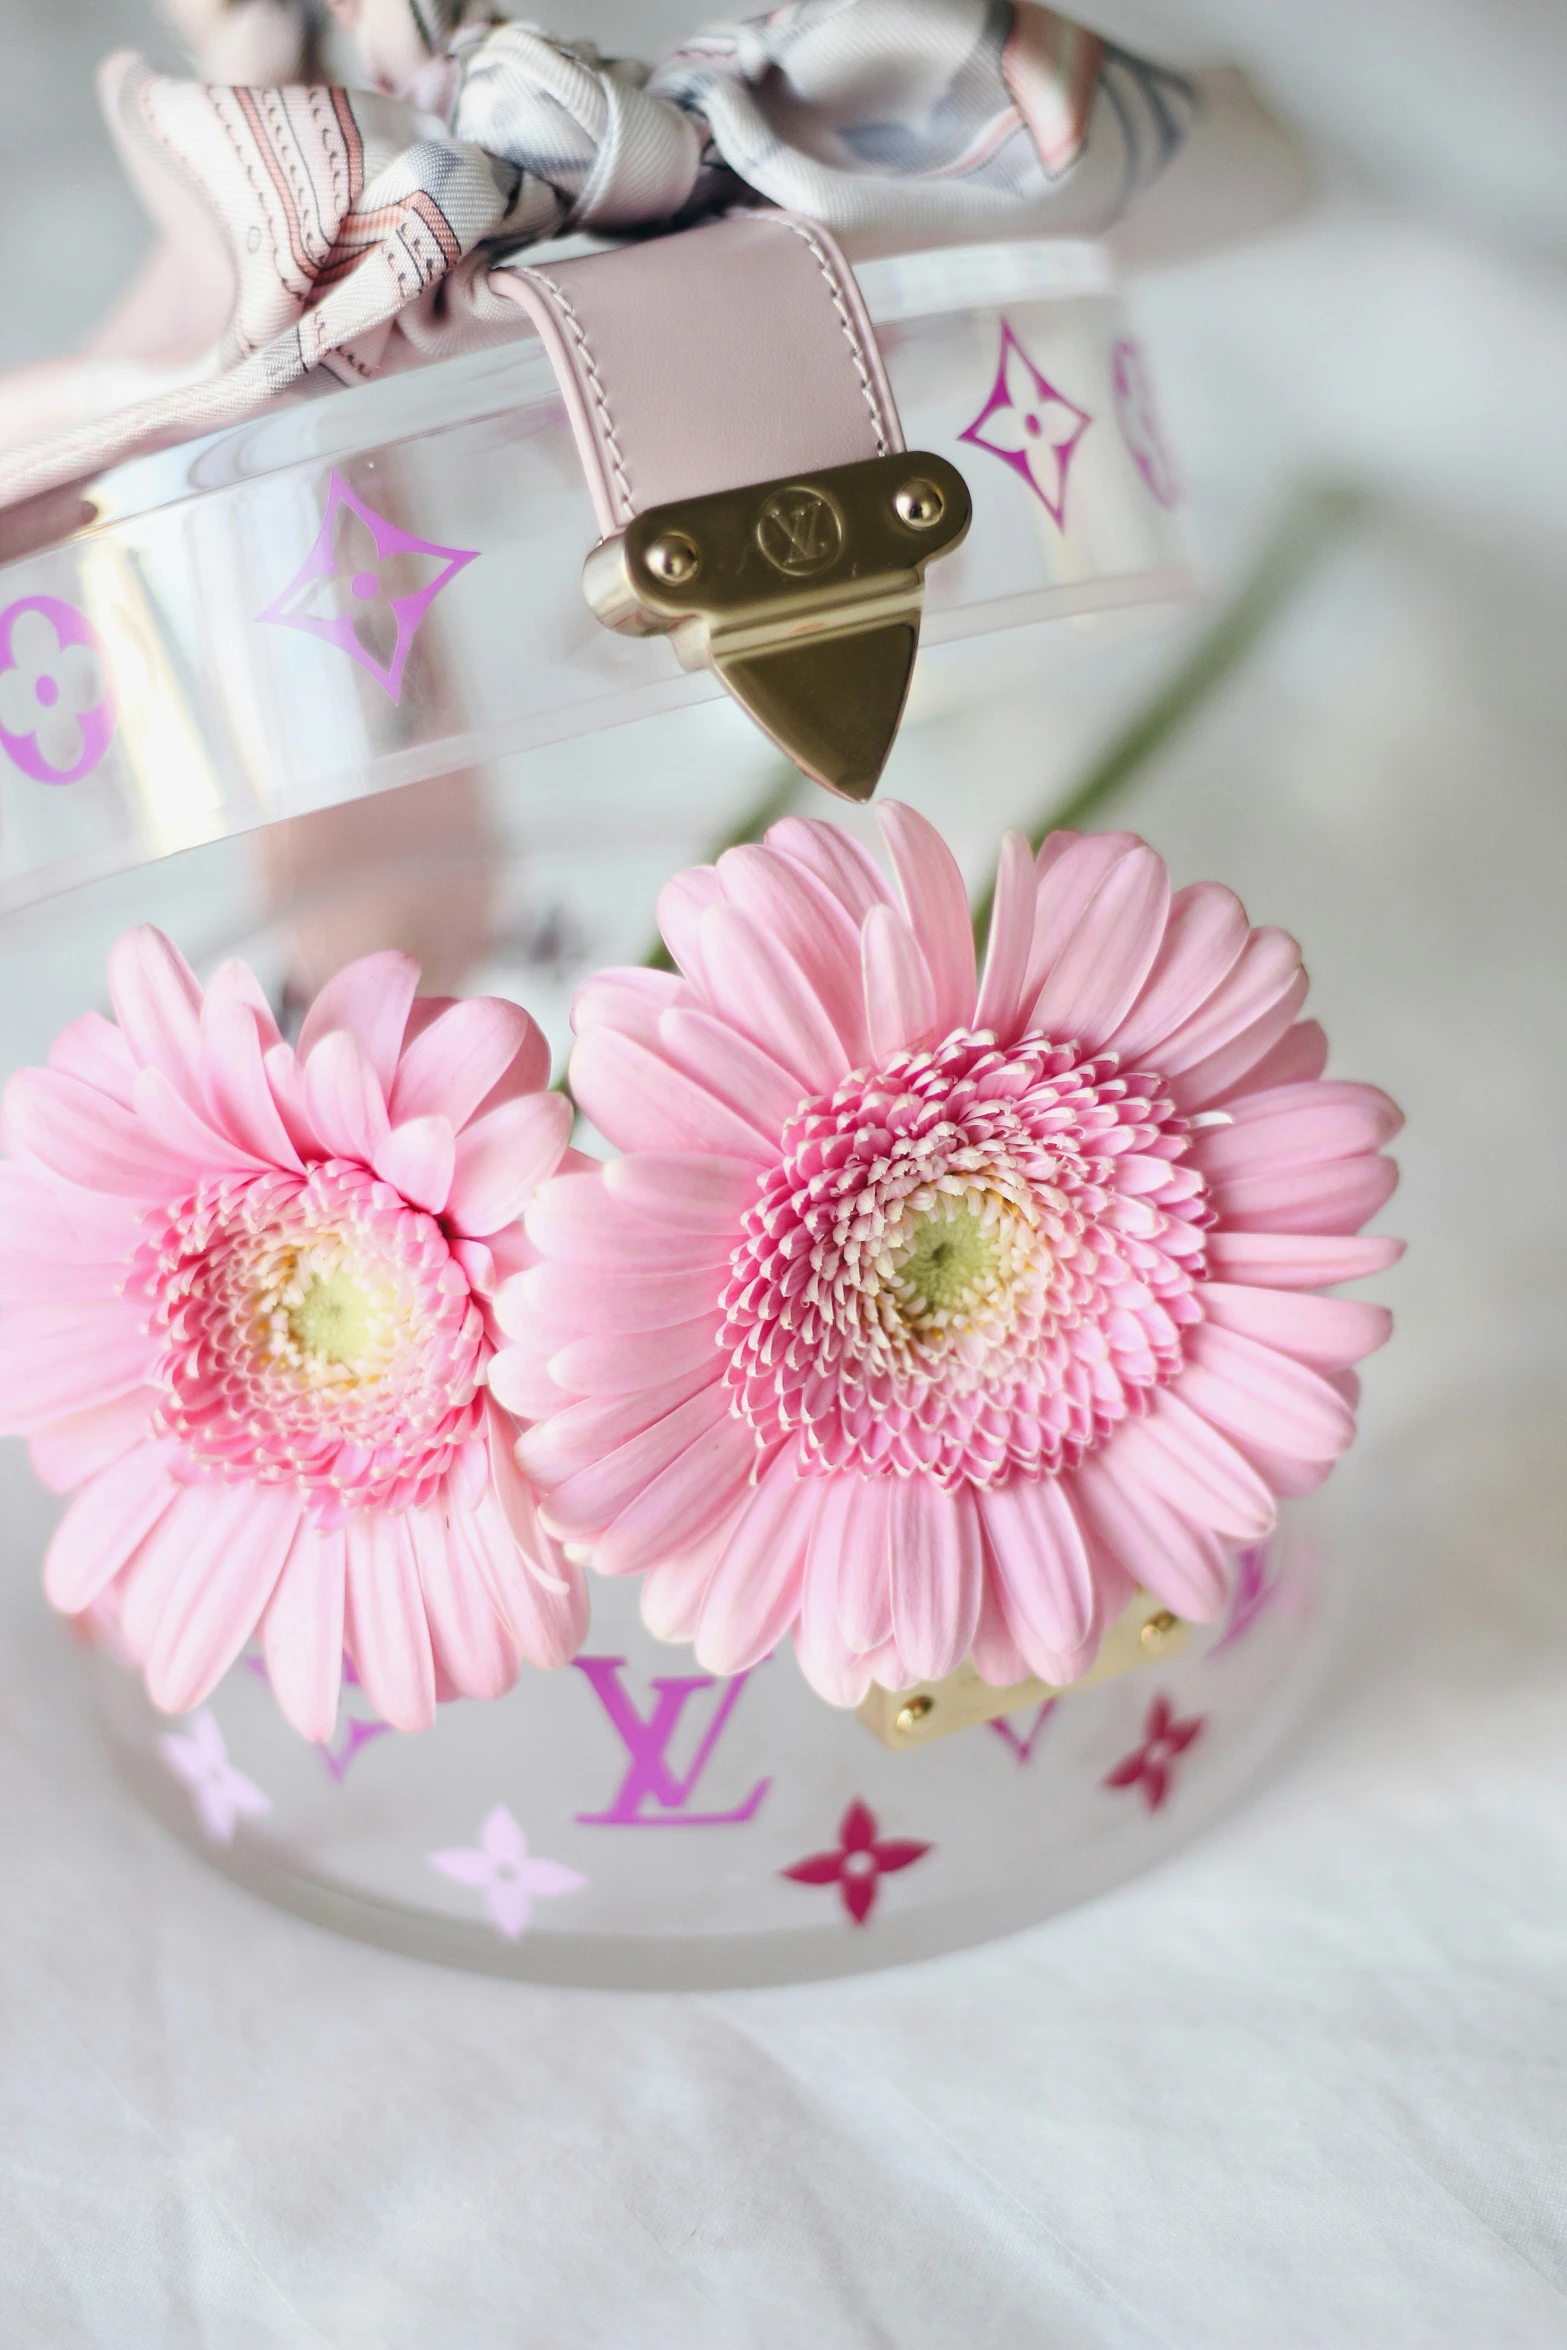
[{"x": 1305, "y": 2086}]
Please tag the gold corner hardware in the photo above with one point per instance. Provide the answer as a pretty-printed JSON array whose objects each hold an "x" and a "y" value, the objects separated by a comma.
[
  {"x": 804, "y": 596},
  {"x": 902, "y": 1718}
]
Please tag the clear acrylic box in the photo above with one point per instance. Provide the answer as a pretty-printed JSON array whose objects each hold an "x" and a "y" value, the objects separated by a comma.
[{"x": 379, "y": 588}]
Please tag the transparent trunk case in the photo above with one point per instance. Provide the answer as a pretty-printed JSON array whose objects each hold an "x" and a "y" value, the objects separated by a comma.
[{"x": 347, "y": 671}]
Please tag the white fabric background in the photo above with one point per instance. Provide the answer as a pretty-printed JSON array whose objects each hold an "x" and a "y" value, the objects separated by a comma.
[{"x": 1307, "y": 2085}]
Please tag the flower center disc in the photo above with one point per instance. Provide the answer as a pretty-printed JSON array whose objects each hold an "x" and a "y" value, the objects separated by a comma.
[
  {"x": 316, "y": 1330},
  {"x": 968, "y": 1262}
]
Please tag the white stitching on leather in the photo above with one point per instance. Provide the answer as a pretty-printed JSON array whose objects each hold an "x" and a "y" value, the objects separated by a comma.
[
  {"x": 590, "y": 369},
  {"x": 850, "y": 336}
]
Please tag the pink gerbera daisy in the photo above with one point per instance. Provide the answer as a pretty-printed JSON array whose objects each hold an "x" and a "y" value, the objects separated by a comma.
[
  {"x": 926, "y": 1316},
  {"x": 247, "y": 1290}
]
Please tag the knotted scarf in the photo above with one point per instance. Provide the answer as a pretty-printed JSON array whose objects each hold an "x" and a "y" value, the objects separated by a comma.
[{"x": 315, "y": 229}]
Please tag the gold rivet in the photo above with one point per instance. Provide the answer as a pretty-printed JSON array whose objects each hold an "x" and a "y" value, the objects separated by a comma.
[
  {"x": 672, "y": 558},
  {"x": 920, "y": 504},
  {"x": 1155, "y": 1634},
  {"x": 909, "y": 1717}
]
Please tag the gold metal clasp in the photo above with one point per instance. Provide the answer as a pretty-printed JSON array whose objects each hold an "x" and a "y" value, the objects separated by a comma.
[
  {"x": 1146, "y": 1633},
  {"x": 803, "y": 595}
]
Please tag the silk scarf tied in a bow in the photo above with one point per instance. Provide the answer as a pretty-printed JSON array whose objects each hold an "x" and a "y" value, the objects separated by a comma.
[{"x": 354, "y": 231}]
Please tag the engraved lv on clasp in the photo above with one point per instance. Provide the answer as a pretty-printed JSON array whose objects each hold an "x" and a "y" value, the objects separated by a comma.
[{"x": 804, "y": 596}]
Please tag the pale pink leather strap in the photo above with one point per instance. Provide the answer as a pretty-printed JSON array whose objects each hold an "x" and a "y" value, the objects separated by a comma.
[{"x": 731, "y": 353}]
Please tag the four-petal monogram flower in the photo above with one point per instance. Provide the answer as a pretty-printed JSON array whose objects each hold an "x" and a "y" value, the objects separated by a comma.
[
  {"x": 222, "y": 1795},
  {"x": 56, "y": 713},
  {"x": 1150, "y": 1765},
  {"x": 509, "y": 1876},
  {"x": 858, "y": 1861},
  {"x": 366, "y": 585},
  {"x": 1030, "y": 425}
]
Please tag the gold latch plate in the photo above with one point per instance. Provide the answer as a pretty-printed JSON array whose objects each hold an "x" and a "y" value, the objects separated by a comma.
[
  {"x": 1145, "y": 1634},
  {"x": 803, "y": 595}
]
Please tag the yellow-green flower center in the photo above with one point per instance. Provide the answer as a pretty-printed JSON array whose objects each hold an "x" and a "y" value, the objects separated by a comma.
[
  {"x": 952, "y": 1256},
  {"x": 334, "y": 1319}
]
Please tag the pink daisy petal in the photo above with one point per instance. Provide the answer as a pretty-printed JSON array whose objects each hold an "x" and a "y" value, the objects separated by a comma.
[
  {"x": 157, "y": 1003},
  {"x": 630, "y": 1001},
  {"x": 541, "y": 1596},
  {"x": 343, "y": 1098},
  {"x": 681, "y": 1503},
  {"x": 75, "y": 1132},
  {"x": 1182, "y": 1458},
  {"x": 997, "y": 1657},
  {"x": 835, "y": 1669},
  {"x": 287, "y": 1081},
  {"x": 302, "y": 1631},
  {"x": 749, "y": 977},
  {"x": 811, "y": 926},
  {"x": 1335, "y": 1198},
  {"x": 589, "y": 1499},
  {"x": 936, "y": 903},
  {"x": 59, "y": 1360},
  {"x": 1204, "y": 935},
  {"x": 556, "y": 1296},
  {"x": 1264, "y": 974},
  {"x": 236, "y": 1095},
  {"x": 1068, "y": 870},
  {"x": 371, "y": 1000},
  {"x": 640, "y": 1102},
  {"x": 471, "y": 1641},
  {"x": 753, "y": 1594},
  {"x": 619, "y": 1364},
  {"x": 1234, "y": 1066},
  {"x": 672, "y": 1591},
  {"x": 1095, "y": 978},
  {"x": 186, "y": 1132},
  {"x": 689, "y": 1190},
  {"x": 522, "y": 1385},
  {"x": 1299, "y": 1260},
  {"x": 681, "y": 905},
  {"x": 579, "y": 1220},
  {"x": 1000, "y": 1006},
  {"x": 234, "y": 982},
  {"x": 1042, "y": 1573},
  {"x": 503, "y": 1157},
  {"x": 1264, "y": 1397},
  {"x": 75, "y": 1448},
  {"x": 237, "y": 1544},
  {"x": 387, "y": 1632},
  {"x": 864, "y": 1572},
  {"x": 937, "y": 1573},
  {"x": 1176, "y": 1561},
  {"x": 419, "y": 1159},
  {"x": 1300, "y": 1055},
  {"x": 1328, "y": 1332},
  {"x": 717, "y": 1056},
  {"x": 105, "y": 1525},
  {"x": 93, "y": 1049},
  {"x": 900, "y": 995},
  {"x": 451, "y": 1066},
  {"x": 581, "y": 1434},
  {"x": 1294, "y": 1126},
  {"x": 835, "y": 859}
]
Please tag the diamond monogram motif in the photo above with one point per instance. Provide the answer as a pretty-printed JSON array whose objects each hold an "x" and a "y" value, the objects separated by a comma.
[
  {"x": 366, "y": 585},
  {"x": 1030, "y": 425}
]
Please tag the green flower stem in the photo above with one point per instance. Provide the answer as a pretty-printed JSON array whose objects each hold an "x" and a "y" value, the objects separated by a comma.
[{"x": 1317, "y": 517}]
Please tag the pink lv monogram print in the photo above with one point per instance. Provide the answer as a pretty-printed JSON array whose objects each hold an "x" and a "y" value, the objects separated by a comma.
[{"x": 651, "y": 1795}]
